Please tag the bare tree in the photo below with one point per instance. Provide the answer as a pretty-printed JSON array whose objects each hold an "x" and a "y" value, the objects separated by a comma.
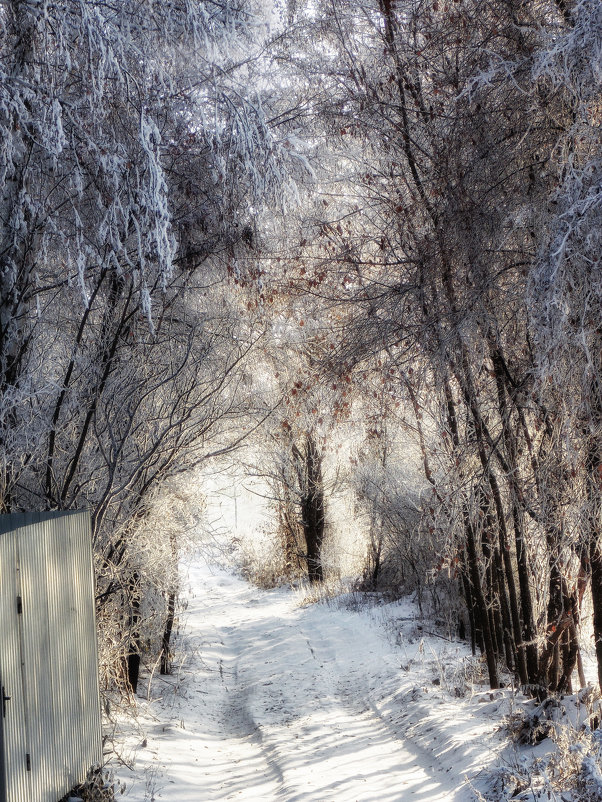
[
  {"x": 445, "y": 165},
  {"x": 128, "y": 166}
]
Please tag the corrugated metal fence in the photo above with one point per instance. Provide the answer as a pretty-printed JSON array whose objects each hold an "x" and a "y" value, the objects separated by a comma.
[{"x": 50, "y": 729}]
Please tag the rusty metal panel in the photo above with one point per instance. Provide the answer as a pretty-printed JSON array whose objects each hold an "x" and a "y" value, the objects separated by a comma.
[{"x": 57, "y": 712}]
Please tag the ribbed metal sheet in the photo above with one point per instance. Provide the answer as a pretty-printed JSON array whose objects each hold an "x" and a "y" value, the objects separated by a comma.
[{"x": 48, "y": 655}]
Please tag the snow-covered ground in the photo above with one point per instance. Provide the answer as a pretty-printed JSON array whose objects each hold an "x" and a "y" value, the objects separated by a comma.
[{"x": 272, "y": 699}]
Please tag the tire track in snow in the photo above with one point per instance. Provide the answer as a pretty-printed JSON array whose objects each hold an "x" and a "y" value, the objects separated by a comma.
[
  {"x": 310, "y": 710},
  {"x": 238, "y": 718},
  {"x": 281, "y": 704}
]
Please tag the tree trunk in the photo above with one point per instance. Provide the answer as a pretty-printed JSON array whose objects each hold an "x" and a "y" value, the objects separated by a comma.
[
  {"x": 555, "y": 612},
  {"x": 470, "y": 606},
  {"x": 477, "y": 590},
  {"x": 596, "y": 566},
  {"x": 312, "y": 510},
  {"x": 509, "y": 644},
  {"x": 133, "y": 655},
  {"x": 165, "y": 667},
  {"x": 593, "y": 467},
  {"x": 471, "y": 552}
]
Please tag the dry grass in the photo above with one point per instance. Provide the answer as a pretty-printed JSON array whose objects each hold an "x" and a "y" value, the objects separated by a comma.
[
  {"x": 98, "y": 787},
  {"x": 567, "y": 760}
]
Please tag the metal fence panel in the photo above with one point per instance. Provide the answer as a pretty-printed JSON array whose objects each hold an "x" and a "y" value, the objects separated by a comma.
[
  {"x": 90, "y": 742},
  {"x": 52, "y": 724},
  {"x": 17, "y": 783}
]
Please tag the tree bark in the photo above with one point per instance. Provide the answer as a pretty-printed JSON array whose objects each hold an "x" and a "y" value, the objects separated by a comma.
[
  {"x": 165, "y": 666},
  {"x": 133, "y": 655},
  {"x": 312, "y": 509},
  {"x": 471, "y": 553},
  {"x": 477, "y": 589},
  {"x": 593, "y": 468},
  {"x": 595, "y": 552}
]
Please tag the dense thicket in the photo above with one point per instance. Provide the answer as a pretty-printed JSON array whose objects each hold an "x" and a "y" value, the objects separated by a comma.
[
  {"x": 443, "y": 269},
  {"x": 132, "y": 146},
  {"x": 459, "y": 158}
]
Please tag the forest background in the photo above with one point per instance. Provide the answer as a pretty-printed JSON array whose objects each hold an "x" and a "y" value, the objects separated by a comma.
[{"x": 354, "y": 248}]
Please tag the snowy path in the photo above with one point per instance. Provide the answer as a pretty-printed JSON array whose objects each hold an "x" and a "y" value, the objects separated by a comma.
[{"x": 277, "y": 702}]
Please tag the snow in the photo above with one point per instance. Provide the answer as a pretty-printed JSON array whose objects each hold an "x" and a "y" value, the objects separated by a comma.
[{"x": 274, "y": 699}]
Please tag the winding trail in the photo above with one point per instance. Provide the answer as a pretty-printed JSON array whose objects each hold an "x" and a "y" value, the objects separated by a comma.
[{"x": 277, "y": 702}]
